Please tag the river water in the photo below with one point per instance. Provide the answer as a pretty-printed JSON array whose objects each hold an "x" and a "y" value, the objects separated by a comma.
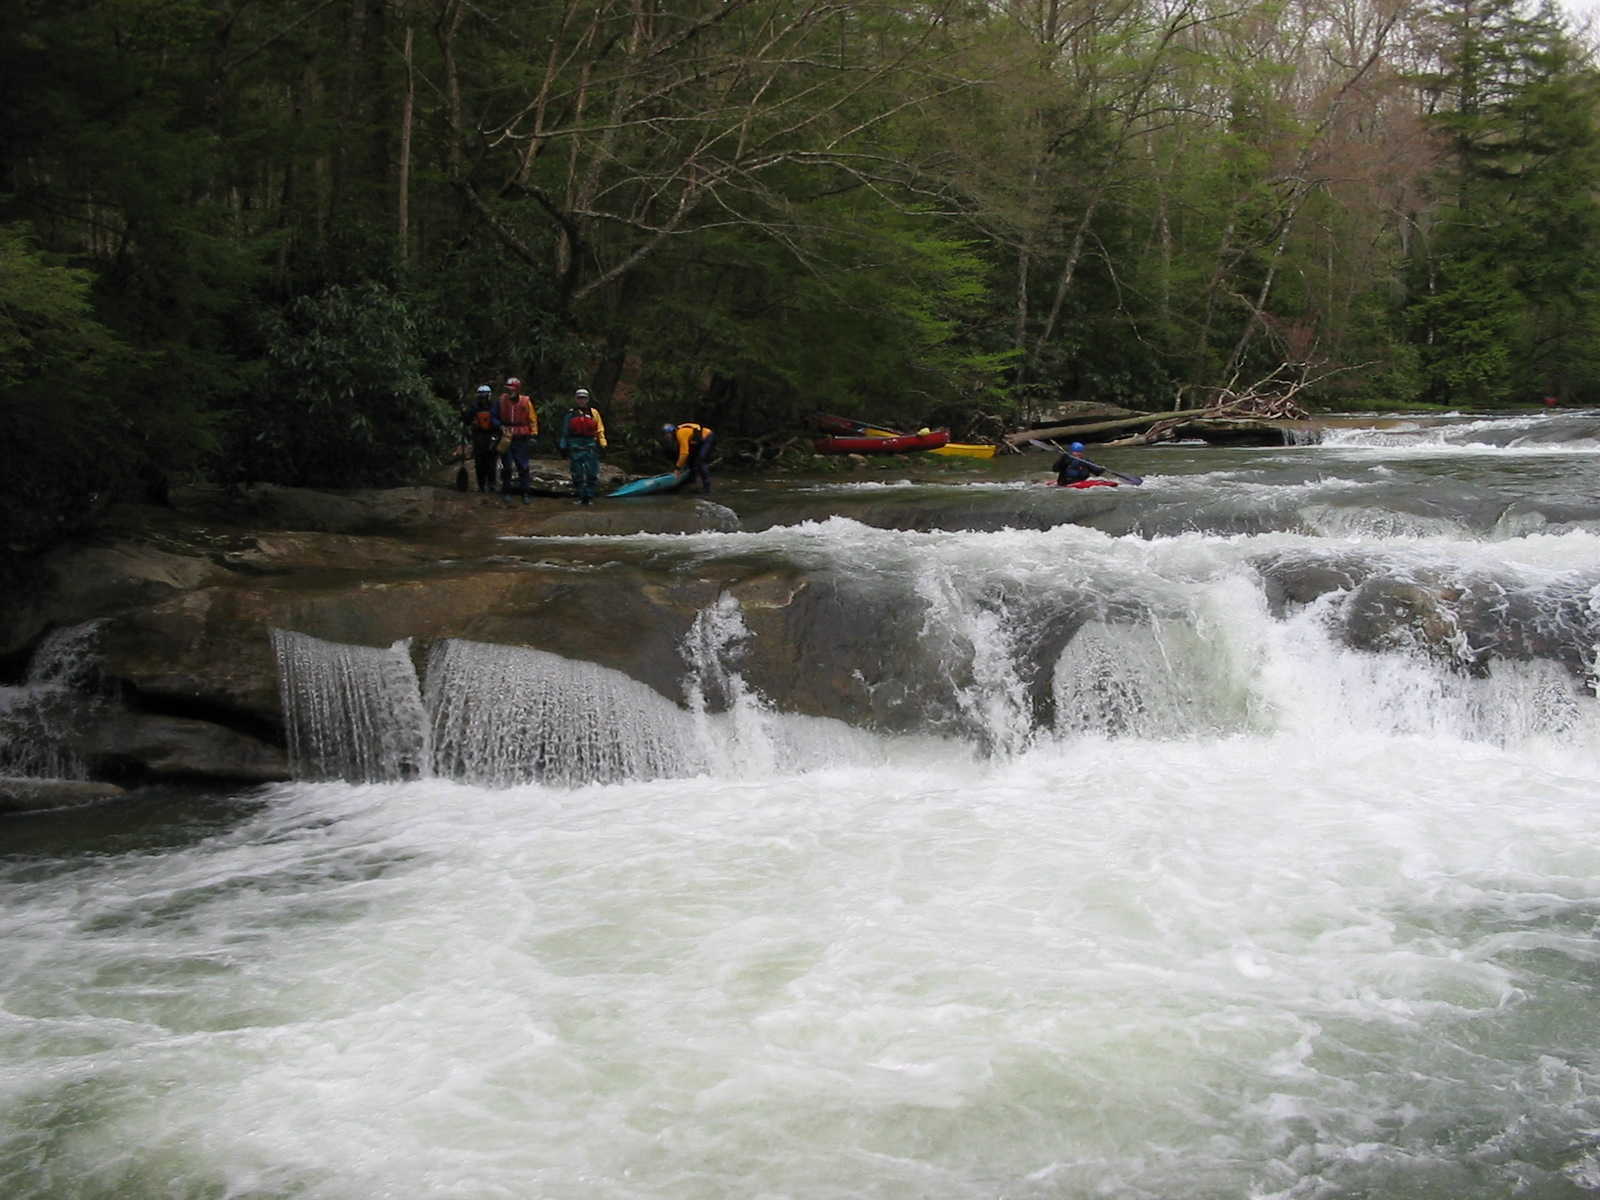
[{"x": 1255, "y": 913}]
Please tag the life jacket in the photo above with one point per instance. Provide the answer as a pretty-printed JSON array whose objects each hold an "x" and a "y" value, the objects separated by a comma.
[
  {"x": 524, "y": 421},
  {"x": 507, "y": 407},
  {"x": 482, "y": 418},
  {"x": 582, "y": 425}
]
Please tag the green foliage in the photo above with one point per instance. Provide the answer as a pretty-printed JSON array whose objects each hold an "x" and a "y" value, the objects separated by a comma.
[
  {"x": 344, "y": 401},
  {"x": 878, "y": 323},
  {"x": 937, "y": 215},
  {"x": 46, "y": 319},
  {"x": 483, "y": 316},
  {"x": 71, "y": 433},
  {"x": 1466, "y": 324},
  {"x": 1507, "y": 302}
]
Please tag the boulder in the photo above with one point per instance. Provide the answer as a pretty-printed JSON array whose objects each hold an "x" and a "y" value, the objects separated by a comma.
[
  {"x": 1392, "y": 614},
  {"x": 149, "y": 745},
  {"x": 78, "y": 582}
]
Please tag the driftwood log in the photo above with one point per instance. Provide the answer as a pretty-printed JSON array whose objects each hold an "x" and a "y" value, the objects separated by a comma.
[{"x": 1120, "y": 425}]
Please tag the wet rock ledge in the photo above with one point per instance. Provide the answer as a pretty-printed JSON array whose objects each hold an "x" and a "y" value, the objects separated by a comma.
[{"x": 183, "y": 683}]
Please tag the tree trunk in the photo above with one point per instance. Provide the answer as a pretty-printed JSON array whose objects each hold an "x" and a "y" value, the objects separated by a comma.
[{"x": 403, "y": 167}]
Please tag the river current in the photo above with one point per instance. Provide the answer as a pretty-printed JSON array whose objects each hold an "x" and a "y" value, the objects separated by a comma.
[{"x": 1258, "y": 913}]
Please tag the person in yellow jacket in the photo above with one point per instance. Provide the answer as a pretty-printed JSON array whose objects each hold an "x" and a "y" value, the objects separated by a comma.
[
  {"x": 583, "y": 436},
  {"x": 690, "y": 446}
]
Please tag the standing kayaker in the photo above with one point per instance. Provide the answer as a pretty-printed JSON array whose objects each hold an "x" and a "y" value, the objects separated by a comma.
[
  {"x": 505, "y": 402},
  {"x": 482, "y": 426},
  {"x": 522, "y": 425},
  {"x": 690, "y": 446},
  {"x": 583, "y": 436}
]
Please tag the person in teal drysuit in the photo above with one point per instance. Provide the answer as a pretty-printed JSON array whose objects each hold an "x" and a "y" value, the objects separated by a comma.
[{"x": 583, "y": 436}]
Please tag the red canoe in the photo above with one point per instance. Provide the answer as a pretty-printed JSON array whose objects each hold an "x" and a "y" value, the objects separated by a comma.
[{"x": 900, "y": 444}]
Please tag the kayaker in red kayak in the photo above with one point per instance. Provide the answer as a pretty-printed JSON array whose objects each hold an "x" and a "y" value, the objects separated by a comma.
[{"x": 1072, "y": 470}]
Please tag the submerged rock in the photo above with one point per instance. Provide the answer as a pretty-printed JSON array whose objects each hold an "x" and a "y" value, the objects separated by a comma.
[{"x": 33, "y": 795}]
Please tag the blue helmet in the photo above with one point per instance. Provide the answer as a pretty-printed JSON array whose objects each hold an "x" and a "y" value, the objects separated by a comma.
[{"x": 1076, "y": 447}]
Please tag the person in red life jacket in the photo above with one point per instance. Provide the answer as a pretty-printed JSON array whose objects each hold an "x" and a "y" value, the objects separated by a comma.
[
  {"x": 690, "y": 446},
  {"x": 504, "y": 403},
  {"x": 522, "y": 425},
  {"x": 1071, "y": 468},
  {"x": 583, "y": 436},
  {"x": 481, "y": 424}
]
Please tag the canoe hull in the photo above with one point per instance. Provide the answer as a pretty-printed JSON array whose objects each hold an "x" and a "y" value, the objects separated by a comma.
[
  {"x": 906, "y": 443},
  {"x": 835, "y": 428}
]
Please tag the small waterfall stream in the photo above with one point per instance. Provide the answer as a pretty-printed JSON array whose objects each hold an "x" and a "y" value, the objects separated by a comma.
[
  {"x": 352, "y": 712},
  {"x": 504, "y": 715},
  {"x": 39, "y": 717}
]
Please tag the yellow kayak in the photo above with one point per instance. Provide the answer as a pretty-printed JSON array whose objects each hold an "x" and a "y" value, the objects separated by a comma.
[{"x": 967, "y": 449}]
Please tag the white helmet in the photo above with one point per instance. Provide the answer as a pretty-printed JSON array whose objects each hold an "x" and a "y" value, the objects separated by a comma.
[
  {"x": 582, "y": 393},
  {"x": 483, "y": 389}
]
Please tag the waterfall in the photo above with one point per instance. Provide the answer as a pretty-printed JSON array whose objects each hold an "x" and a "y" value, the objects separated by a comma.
[
  {"x": 1019, "y": 645},
  {"x": 39, "y": 718},
  {"x": 743, "y": 741},
  {"x": 352, "y": 712},
  {"x": 502, "y": 715},
  {"x": 984, "y": 657}
]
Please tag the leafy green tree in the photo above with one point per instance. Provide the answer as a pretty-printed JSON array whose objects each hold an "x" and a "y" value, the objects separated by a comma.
[
  {"x": 344, "y": 401},
  {"x": 67, "y": 436}
]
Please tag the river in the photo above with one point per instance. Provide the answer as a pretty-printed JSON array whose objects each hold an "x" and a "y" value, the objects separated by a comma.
[{"x": 1247, "y": 912}]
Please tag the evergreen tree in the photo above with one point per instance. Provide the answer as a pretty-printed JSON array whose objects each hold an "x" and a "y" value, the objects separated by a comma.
[{"x": 1506, "y": 297}]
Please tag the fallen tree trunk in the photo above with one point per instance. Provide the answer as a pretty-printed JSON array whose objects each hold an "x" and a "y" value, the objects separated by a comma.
[
  {"x": 1225, "y": 431},
  {"x": 1142, "y": 421}
]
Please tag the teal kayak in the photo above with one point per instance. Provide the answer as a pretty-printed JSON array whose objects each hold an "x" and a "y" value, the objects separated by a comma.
[{"x": 655, "y": 483}]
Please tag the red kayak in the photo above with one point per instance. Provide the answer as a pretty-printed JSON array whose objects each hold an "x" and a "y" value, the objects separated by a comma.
[{"x": 1083, "y": 483}]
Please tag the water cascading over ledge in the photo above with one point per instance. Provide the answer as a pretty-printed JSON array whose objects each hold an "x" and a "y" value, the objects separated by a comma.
[
  {"x": 503, "y": 715},
  {"x": 499, "y": 716},
  {"x": 1010, "y": 655},
  {"x": 40, "y": 717},
  {"x": 352, "y": 712}
]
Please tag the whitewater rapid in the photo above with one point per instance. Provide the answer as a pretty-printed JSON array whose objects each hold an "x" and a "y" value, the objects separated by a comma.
[
  {"x": 1262, "y": 966},
  {"x": 1211, "y": 903}
]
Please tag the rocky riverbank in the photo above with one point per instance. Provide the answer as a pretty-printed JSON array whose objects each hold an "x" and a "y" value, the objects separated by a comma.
[{"x": 181, "y": 602}]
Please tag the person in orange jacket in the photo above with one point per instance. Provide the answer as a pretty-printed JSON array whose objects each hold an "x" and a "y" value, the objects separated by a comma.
[
  {"x": 690, "y": 445},
  {"x": 520, "y": 420}
]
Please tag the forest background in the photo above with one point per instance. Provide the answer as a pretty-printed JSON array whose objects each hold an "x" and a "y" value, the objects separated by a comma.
[{"x": 281, "y": 240}]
